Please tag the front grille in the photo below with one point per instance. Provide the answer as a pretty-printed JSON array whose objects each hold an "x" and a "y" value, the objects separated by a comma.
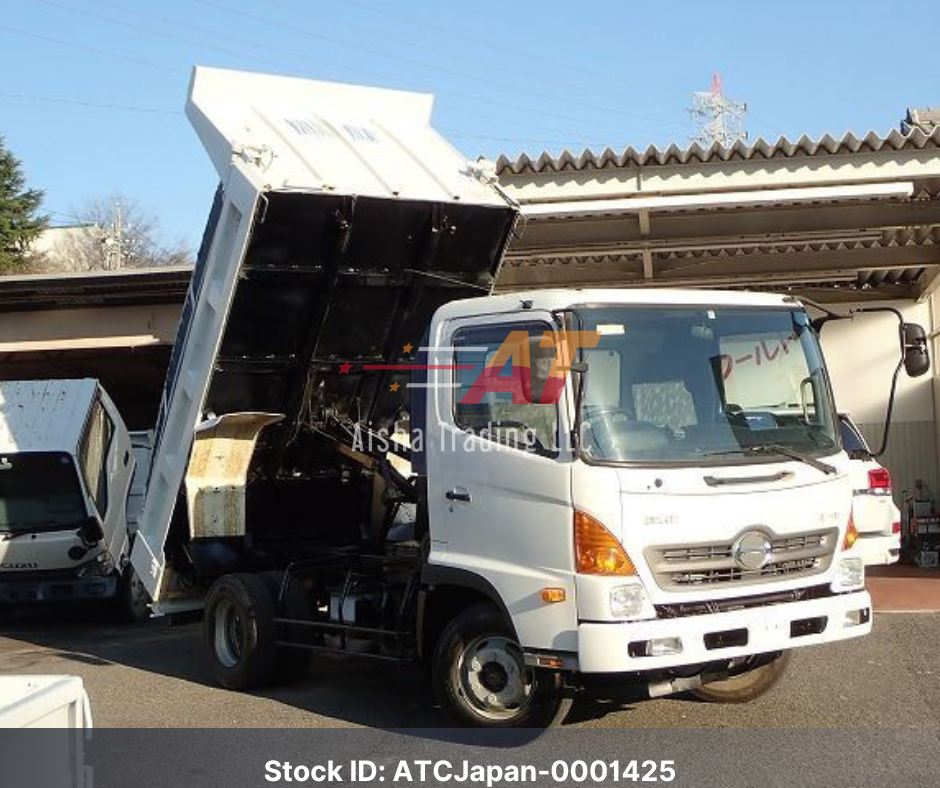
[{"x": 677, "y": 568}]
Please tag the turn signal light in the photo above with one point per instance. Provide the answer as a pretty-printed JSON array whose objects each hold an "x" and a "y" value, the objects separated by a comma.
[
  {"x": 851, "y": 535},
  {"x": 553, "y": 595},
  {"x": 596, "y": 551}
]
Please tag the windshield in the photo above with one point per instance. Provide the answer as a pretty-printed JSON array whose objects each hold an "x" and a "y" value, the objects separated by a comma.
[
  {"x": 39, "y": 491},
  {"x": 677, "y": 385}
]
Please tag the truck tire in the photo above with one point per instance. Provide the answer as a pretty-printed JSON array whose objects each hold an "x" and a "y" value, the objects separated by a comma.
[
  {"x": 746, "y": 686},
  {"x": 480, "y": 678},
  {"x": 132, "y": 601},
  {"x": 293, "y": 664},
  {"x": 240, "y": 632}
]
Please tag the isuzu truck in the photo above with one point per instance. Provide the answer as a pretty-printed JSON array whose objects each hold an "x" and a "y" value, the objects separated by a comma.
[{"x": 360, "y": 450}]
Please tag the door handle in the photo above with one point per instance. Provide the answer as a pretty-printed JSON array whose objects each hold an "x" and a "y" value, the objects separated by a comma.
[{"x": 458, "y": 494}]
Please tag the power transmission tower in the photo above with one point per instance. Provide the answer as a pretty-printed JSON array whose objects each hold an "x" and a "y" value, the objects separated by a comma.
[{"x": 717, "y": 118}]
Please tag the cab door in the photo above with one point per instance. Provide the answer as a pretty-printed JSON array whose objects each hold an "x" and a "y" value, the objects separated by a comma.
[
  {"x": 499, "y": 480},
  {"x": 107, "y": 463}
]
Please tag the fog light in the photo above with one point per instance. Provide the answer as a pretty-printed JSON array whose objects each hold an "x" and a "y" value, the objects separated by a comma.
[
  {"x": 628, "y": 602},
  {"x": 663, "y": 647},
  {"x": 850, "y": 573}
]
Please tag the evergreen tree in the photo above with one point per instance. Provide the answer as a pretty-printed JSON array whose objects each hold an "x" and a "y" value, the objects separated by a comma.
[{"x": 19, "y": 221}]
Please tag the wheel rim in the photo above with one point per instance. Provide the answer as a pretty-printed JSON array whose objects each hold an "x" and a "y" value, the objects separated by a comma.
[
  {"x": 493, "y": 679},
  {"x": 228, "y": 634}
]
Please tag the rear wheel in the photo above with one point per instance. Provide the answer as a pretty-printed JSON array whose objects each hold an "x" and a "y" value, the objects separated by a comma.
[
  {"x": 481, "y": 678},
  {"x": 747, "y": 685},
  {"x": 239, "y": 632}
]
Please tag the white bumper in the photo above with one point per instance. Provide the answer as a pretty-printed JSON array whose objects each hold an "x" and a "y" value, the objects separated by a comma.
[{"x": 606, "y": 648}]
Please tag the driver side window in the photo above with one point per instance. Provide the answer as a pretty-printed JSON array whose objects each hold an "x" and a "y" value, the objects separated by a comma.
[{"x": 492, "y": 391}]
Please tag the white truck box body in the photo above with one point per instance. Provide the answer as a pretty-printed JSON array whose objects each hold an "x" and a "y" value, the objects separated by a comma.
[{"x": 44, "y": 702}]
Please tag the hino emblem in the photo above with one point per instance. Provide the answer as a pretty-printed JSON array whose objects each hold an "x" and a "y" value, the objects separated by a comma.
[{"x": 752, "y": 551}]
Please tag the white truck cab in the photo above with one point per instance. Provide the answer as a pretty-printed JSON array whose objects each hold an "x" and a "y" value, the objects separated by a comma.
[
  {"x": 685, "y": 500},
  {"x": 66, "y": 463}
]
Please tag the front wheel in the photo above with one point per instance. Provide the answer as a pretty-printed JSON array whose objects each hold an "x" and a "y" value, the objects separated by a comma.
[
  {"x": 240, "y": 632},
  {"x": 481, "y": 678},
  {"x": 747, "y": 685},
  {"x": 133, "y": 601}
]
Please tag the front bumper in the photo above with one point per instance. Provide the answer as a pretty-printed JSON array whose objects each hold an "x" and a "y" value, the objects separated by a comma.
[
  {"x": 606, "y": 648},
  {"x": 27, "y": 591}
]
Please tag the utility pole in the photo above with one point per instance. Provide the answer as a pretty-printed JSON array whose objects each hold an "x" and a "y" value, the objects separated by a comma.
[
  {"x": 114, "y": 240},
  {"x": 717, "y": 118}
]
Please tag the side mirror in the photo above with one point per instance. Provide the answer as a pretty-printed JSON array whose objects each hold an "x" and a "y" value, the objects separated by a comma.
[
  {"x": 916, "y": 355},
  {"x": 91, "y": 532}
]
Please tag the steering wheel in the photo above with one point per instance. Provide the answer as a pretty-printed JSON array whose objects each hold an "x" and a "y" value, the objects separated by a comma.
[{"x": 597, "y": 418}]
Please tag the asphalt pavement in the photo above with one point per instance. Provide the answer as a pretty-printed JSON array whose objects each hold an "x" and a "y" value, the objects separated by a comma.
[{"x": 154, "y": 675}]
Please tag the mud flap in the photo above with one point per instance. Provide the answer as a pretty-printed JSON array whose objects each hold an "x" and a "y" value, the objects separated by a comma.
[{"x": 218, "y": 472}]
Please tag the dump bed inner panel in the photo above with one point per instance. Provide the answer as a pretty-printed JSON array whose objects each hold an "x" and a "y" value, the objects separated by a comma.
[{"x": 329, "y": 279}]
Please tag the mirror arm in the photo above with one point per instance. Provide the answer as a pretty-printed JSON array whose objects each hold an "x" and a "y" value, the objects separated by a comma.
[{"x": 884, "y": 437}]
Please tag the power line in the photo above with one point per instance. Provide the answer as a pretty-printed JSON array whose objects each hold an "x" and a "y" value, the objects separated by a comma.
[
  {"x": 215, "y": 33},
  {"x": 491, "y": 44},
  {"x": 416, "y": 63},
  {"x": 84, "y": 47},
  {"x": 507, "y": 66},
  {"x": 159, "y": 34},
  {"x": 512, "y": 107},
  {"x": 91, "y": 104}
]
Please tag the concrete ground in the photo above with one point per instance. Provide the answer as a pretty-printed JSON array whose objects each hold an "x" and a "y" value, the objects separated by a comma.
[
  {"x": 154, "y": 675},
  {"x": 904, "y": 589}
]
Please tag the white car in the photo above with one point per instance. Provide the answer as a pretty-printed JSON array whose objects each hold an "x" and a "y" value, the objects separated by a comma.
[{"x": 876, "y": 518}]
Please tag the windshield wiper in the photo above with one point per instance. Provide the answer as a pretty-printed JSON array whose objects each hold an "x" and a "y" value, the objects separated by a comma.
[
  {"x": 36, "y": 528},
  {"x": 783, "y": 451}
]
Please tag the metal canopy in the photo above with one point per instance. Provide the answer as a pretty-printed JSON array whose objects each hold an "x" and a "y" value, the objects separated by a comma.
[{"x": 840, "y": 219}]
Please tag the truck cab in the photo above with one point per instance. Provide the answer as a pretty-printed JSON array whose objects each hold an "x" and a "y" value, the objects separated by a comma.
[{"x": 66, "y": 465}]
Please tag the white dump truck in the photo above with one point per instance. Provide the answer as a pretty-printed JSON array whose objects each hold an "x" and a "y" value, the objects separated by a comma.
[{"x": 361, "y": 451}]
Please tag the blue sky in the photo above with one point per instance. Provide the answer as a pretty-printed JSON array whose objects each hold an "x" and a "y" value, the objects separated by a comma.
[{"x": 92, "y": 91}]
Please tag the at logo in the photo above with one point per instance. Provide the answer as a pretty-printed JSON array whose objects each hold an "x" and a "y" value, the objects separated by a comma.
[{"x": 516, "y": 351}]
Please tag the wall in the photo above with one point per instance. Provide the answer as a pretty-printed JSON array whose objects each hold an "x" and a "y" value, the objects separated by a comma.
[{"x": 862, "y": 355}]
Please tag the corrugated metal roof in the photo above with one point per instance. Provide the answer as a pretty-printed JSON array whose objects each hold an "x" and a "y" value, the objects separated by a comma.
[
  {"x": 43, "y": 415},
  {"x": 125, "y": 287},
  {"x": 915, "y": 138},
  {"x": 926, "y": 119}
]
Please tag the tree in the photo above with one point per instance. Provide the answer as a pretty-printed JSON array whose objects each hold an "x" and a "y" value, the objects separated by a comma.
[
  {"x": 116, "y": 233},
  {"x": 20, "y": 223}
]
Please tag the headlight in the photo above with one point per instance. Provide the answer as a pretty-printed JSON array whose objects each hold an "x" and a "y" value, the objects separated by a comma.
[
  {"x": 630, "y": 601},
  {"x": 101, "y": 565},
  {"x": 850, "y": 574}
]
